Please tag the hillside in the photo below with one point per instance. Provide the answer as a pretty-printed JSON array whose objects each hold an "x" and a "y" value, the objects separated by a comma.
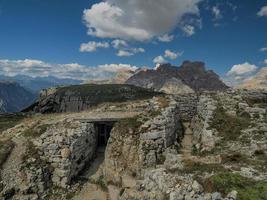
[
  {"x": 258, "y": 81},
  {"x": 190, "y": 76},
  {"x": 82, "y": 97},
  {"x": 13, "y": 97},
  {"x": 204, "y": 147}
]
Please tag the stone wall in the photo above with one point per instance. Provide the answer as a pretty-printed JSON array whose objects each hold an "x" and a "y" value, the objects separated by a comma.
[
  {"x": 203, "y": 136},
  {"x": 187, "y": 105},
  {"x": 132, "y": 151},
  {"x": 67, "y": 147}
]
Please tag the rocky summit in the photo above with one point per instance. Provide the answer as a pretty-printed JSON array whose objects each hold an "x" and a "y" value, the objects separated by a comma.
[
  {"x": 201, "y": 146},
  {"x": 189, "y": 77}
]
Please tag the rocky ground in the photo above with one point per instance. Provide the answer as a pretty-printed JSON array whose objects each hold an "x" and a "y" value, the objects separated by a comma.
[{"x": 158, "y": 151}]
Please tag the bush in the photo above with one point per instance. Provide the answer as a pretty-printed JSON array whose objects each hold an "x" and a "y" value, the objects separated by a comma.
[
  {"x": 229, "y": 127},
  {"x": 248, "y": 189},
  {"x": 36, "y": 131}
]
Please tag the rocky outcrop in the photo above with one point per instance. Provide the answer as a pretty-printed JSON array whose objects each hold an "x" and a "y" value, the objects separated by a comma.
[
  {"x": 13, "y": 97},
  {"x": 83, "y": 97},
  {"x": 189, "y": 77}
]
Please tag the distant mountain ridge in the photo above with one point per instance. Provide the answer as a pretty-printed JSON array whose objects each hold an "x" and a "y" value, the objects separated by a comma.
[
  {"x": 189, "y": 77},
  {"x": 13, "y": 97},
  {"x": 38, "y": 83}
]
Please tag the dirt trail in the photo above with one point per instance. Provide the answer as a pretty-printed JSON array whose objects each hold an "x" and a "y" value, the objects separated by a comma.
[
  {"x": 11, "y": 168},
  {"x": 187, "y": 142},
  {"x": 92, "y": 191}
]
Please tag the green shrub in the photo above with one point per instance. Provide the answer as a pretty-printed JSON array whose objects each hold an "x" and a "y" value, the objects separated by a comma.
[
  {"x": 36, "y": 131},
  {"x": 229, "y": 127},
  {"x": 248, "y": 189}
]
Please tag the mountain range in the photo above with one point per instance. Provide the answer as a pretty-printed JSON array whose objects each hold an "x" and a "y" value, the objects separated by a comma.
[
  {"x": 13, "y": 97},
  {"x": 35, "y": 84}
]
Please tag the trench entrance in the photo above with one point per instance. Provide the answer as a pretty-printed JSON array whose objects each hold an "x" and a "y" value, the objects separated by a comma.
[{"x": 103, "y": 130}]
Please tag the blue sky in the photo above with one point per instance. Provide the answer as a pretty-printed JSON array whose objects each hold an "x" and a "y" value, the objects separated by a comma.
[{"x": 225, "y": 33}]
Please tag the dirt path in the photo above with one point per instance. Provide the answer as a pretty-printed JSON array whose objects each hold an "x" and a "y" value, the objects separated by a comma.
[
  {"x": 11, "y": 168},
  {"x": 187, "y": 142},
  {"x": 92, "y": 191}
]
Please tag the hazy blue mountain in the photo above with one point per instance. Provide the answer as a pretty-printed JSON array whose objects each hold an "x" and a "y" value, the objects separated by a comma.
[
  {"x": 13, "y": 97},
  {"x": 38, "y": 83}
]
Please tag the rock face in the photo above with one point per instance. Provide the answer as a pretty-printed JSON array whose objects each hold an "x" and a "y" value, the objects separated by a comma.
[
  {"x": 13, "y": 97},
  {"x": 82, "y": 97},
  {"x": 189, "y": 77},
  {"x": 258, "y": 81}
]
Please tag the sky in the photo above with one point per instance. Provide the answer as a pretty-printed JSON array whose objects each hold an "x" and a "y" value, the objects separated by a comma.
[{"x": 86, "y": 39}]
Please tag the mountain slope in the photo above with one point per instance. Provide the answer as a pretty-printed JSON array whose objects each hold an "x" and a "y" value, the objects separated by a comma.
[
  {"x": 259, "y": 81},
  {"x": 190, "y": 76},
  {"x": 13, "y": 97},
  {"x": 82, "y": 97}
]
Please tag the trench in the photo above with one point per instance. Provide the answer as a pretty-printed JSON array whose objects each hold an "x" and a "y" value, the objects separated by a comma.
[{"x": 103, "y": 130}]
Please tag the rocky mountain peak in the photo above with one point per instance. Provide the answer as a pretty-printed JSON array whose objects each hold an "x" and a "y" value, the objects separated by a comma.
[{"x": 193, "y": 75}]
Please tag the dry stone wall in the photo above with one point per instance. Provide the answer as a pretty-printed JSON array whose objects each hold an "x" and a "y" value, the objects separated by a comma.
[
  {"x": 67, "y": 147},
  {"x": 134, "y": 151}
]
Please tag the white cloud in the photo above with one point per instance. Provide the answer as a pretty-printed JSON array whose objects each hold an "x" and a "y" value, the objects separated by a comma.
[
  {"x": 189, "y": 30},
  {"x": 117, "y": 44},
  {"x": 242, "y": 69},
  {"x": 137, "y": 20},
  {"x": 216, "y": 12},
  {"x": 265, "y": 61},
  {"x": 262, "y": 12},
  {"x": 92, "y": 46},
  {"x": 159, "y": 60},
  {"x": 263, "y": 49},
  {"x": 166, "y": 38},
  {"x": 172, "y": 55},
  {"x": 124, "y": 53},
  {"x": 37, "y": 68},
  {"x": 129, "y": 52}
]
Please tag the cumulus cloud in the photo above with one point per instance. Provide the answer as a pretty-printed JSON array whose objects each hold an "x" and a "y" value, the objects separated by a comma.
[
  {"x": 265, "y": 61},
  {"x": 262, "y": 12},
  {"x": 129, "y": 52},
  {"x": 242, "y": 69},
  {"x": 159, "y": 60},
  {"x": 216, "y": 12},
  {"x": 118, "y": 44},
  {"x": 172, "y": 55},
  {"x": 189, "y": 30},
  {"x": 137, "y": 20},
  {"x": 37, "y": 68},
  {"x": 263, "y": 49},
  {"x": 166, "y": 38},
  {"x": 92, "y": 46}
]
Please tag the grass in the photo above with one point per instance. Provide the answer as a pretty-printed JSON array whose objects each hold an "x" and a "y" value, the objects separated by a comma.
[
  {"x": 6, "y": 148},
  {"x": 248, "y": 189},
  {"x": 36, "y": 131},
  {"x": 125, "y": 125},
  {"x": 9, "y": 120},
  {"x": 229, "y": 127},
  {"x": 107, "y": 93},
  {"x": 199, "y": 168}
]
